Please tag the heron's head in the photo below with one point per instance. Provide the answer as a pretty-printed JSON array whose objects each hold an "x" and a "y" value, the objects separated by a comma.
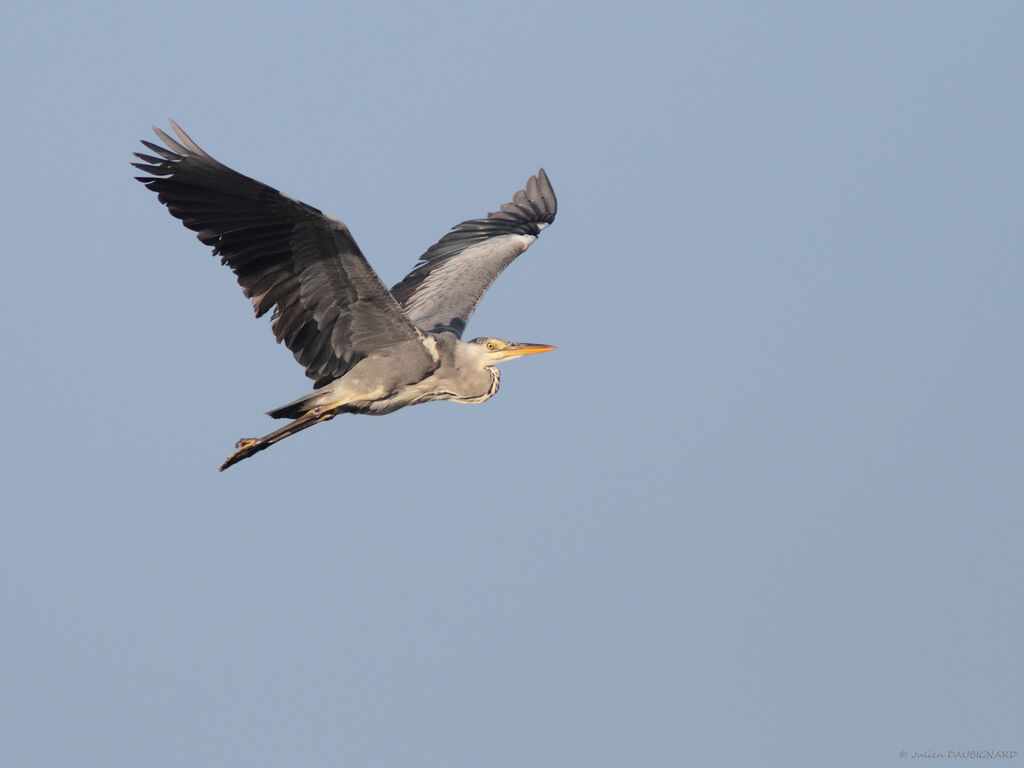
[{"x": 494, "y": 350}]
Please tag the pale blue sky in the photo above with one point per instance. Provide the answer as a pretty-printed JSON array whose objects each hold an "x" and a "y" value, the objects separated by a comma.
[{"x": 762, "y": 506}]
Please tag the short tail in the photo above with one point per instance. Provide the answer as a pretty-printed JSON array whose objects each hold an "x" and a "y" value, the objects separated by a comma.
[
  {"x": 250, "y": 445},
  {"x": 297, "y": 408}
]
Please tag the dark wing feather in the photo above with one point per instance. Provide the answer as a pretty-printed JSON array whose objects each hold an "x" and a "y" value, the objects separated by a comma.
[
  {"x": 443, "y": 290},
  {"x": 330, "y": 308}
]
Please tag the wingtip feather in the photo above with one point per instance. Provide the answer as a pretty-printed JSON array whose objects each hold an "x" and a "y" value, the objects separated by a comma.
[
  {"x": 174, "y": 145},
  {"x": 185, "y": 138}
]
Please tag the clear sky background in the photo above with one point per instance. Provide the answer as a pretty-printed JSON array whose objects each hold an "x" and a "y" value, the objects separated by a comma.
[{"x": 762, "y": 507}]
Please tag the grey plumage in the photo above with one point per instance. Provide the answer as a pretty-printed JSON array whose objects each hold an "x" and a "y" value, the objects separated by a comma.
[
  {"x": 443, "y": 290},
  {"x": 367, "y": 349}
]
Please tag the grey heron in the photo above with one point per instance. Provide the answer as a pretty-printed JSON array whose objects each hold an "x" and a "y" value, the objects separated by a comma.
[{"x": 367, "y": 349}]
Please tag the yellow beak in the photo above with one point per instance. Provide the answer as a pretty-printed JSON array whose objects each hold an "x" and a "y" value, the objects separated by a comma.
[{"x": 518, "y": 349}]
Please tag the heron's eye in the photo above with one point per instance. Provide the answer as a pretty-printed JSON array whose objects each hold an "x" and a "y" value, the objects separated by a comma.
[{"x": 491, "y": 346}]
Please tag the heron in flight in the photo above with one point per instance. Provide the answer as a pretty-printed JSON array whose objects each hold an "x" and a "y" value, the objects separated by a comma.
[{"x": 367, "y": 349}]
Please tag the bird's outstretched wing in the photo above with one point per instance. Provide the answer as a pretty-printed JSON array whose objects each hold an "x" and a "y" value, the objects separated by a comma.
[
  {"x": 330, "y": 308},
  {"x": 443, "y": 290}
]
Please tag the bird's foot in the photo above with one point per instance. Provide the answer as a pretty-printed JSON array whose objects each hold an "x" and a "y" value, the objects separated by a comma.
[{"x": 245, "y": 442}]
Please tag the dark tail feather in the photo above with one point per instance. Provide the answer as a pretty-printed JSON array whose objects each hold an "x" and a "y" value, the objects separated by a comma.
[
  {"x": 247, "y": 447},
  {"x": 292, "y": 410}
]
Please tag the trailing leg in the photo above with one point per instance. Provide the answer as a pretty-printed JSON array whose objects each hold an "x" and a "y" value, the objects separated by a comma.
[{"x": 247, "y": 446}]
